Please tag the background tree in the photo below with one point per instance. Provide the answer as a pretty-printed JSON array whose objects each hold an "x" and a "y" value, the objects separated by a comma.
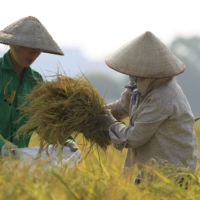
[{"x": 188, "y": 51}]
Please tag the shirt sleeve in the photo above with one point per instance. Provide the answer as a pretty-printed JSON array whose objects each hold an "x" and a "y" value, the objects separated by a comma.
[
  {"x": 153, "y": 114},
  {"x": 120, "y": 108}
]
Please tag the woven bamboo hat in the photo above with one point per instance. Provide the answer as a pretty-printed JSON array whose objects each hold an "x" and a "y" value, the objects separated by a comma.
[
  {"x": 29, "y": 32},
  {"x": 145, "y": 56}
]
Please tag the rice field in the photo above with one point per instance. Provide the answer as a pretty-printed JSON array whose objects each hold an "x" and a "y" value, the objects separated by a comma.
[{"x": 97, "y": 176}]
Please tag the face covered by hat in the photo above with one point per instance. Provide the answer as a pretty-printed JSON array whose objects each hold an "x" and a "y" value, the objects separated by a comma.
[
  {"x": 29, "y": 32},
  {"x": 145, "y": 57}
]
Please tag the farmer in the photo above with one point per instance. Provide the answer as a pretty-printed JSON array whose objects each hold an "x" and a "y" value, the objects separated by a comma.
[
  {"x": 27, "y": 38},
  {"x": 161, "y": 121}
]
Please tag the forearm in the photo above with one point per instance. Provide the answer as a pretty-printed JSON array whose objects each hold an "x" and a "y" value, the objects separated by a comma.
[
  {"x": 124, "y": 136},
  {"x": 120, "y": 108}
]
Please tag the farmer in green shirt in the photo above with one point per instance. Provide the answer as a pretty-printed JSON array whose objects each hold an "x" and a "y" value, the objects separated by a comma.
[{"x": 27, "y": 38}]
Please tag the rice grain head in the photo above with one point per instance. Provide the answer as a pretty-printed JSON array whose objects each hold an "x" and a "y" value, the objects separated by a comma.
[{"x": 59, "y": 108}]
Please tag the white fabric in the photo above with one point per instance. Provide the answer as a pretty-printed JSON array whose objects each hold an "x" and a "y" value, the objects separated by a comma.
[
  {"x": 69, "y": 158},
  {"x": 161, "y": 125}
]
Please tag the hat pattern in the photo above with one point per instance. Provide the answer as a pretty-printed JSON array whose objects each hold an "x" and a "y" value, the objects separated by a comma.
[
  {"x": 29, "y": 32},
  {"x": 145, "y": 56}
]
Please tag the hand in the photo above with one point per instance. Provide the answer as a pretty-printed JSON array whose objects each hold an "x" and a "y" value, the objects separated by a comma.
[
  {"x": 9, "y": 149},
  {"x": 72, "y": 146},
  {"x": 101, "y": 122}
]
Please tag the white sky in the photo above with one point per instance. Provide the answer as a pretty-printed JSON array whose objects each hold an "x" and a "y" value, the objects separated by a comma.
[{"x": 100, "y": 27}]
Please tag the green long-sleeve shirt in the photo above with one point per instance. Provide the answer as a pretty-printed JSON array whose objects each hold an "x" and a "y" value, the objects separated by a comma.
[{"x": 9, "y": 112}]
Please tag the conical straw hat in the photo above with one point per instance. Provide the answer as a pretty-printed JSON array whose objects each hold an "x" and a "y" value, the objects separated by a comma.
[
  {"x": 145, "y": 56},
  {"x": 29, "y": 32}
]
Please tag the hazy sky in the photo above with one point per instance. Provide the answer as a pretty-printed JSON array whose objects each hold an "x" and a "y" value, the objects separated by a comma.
[{"x": 100, "y": 27}]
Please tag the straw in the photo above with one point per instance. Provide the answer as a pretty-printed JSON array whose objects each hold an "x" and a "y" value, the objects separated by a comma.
[{"x": 59, "y": 108}]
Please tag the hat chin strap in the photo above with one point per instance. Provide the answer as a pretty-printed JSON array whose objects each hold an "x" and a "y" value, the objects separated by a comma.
[{"x": 15, "y": 56}]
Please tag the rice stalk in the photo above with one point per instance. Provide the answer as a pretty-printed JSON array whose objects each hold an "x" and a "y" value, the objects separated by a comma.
[{"x": 59, "y": 108}]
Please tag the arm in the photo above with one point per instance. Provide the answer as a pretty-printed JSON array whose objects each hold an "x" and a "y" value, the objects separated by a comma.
[
  {"x": 120, "y": 108},
  {"x": 152, "y": 115}
]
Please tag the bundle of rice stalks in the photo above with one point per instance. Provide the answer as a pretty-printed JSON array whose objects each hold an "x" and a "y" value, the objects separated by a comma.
[{"x": 59, "y": 108}]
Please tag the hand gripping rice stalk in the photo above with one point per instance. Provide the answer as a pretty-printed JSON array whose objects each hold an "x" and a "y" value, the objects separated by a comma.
[{"x": 60, "y": 108}]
